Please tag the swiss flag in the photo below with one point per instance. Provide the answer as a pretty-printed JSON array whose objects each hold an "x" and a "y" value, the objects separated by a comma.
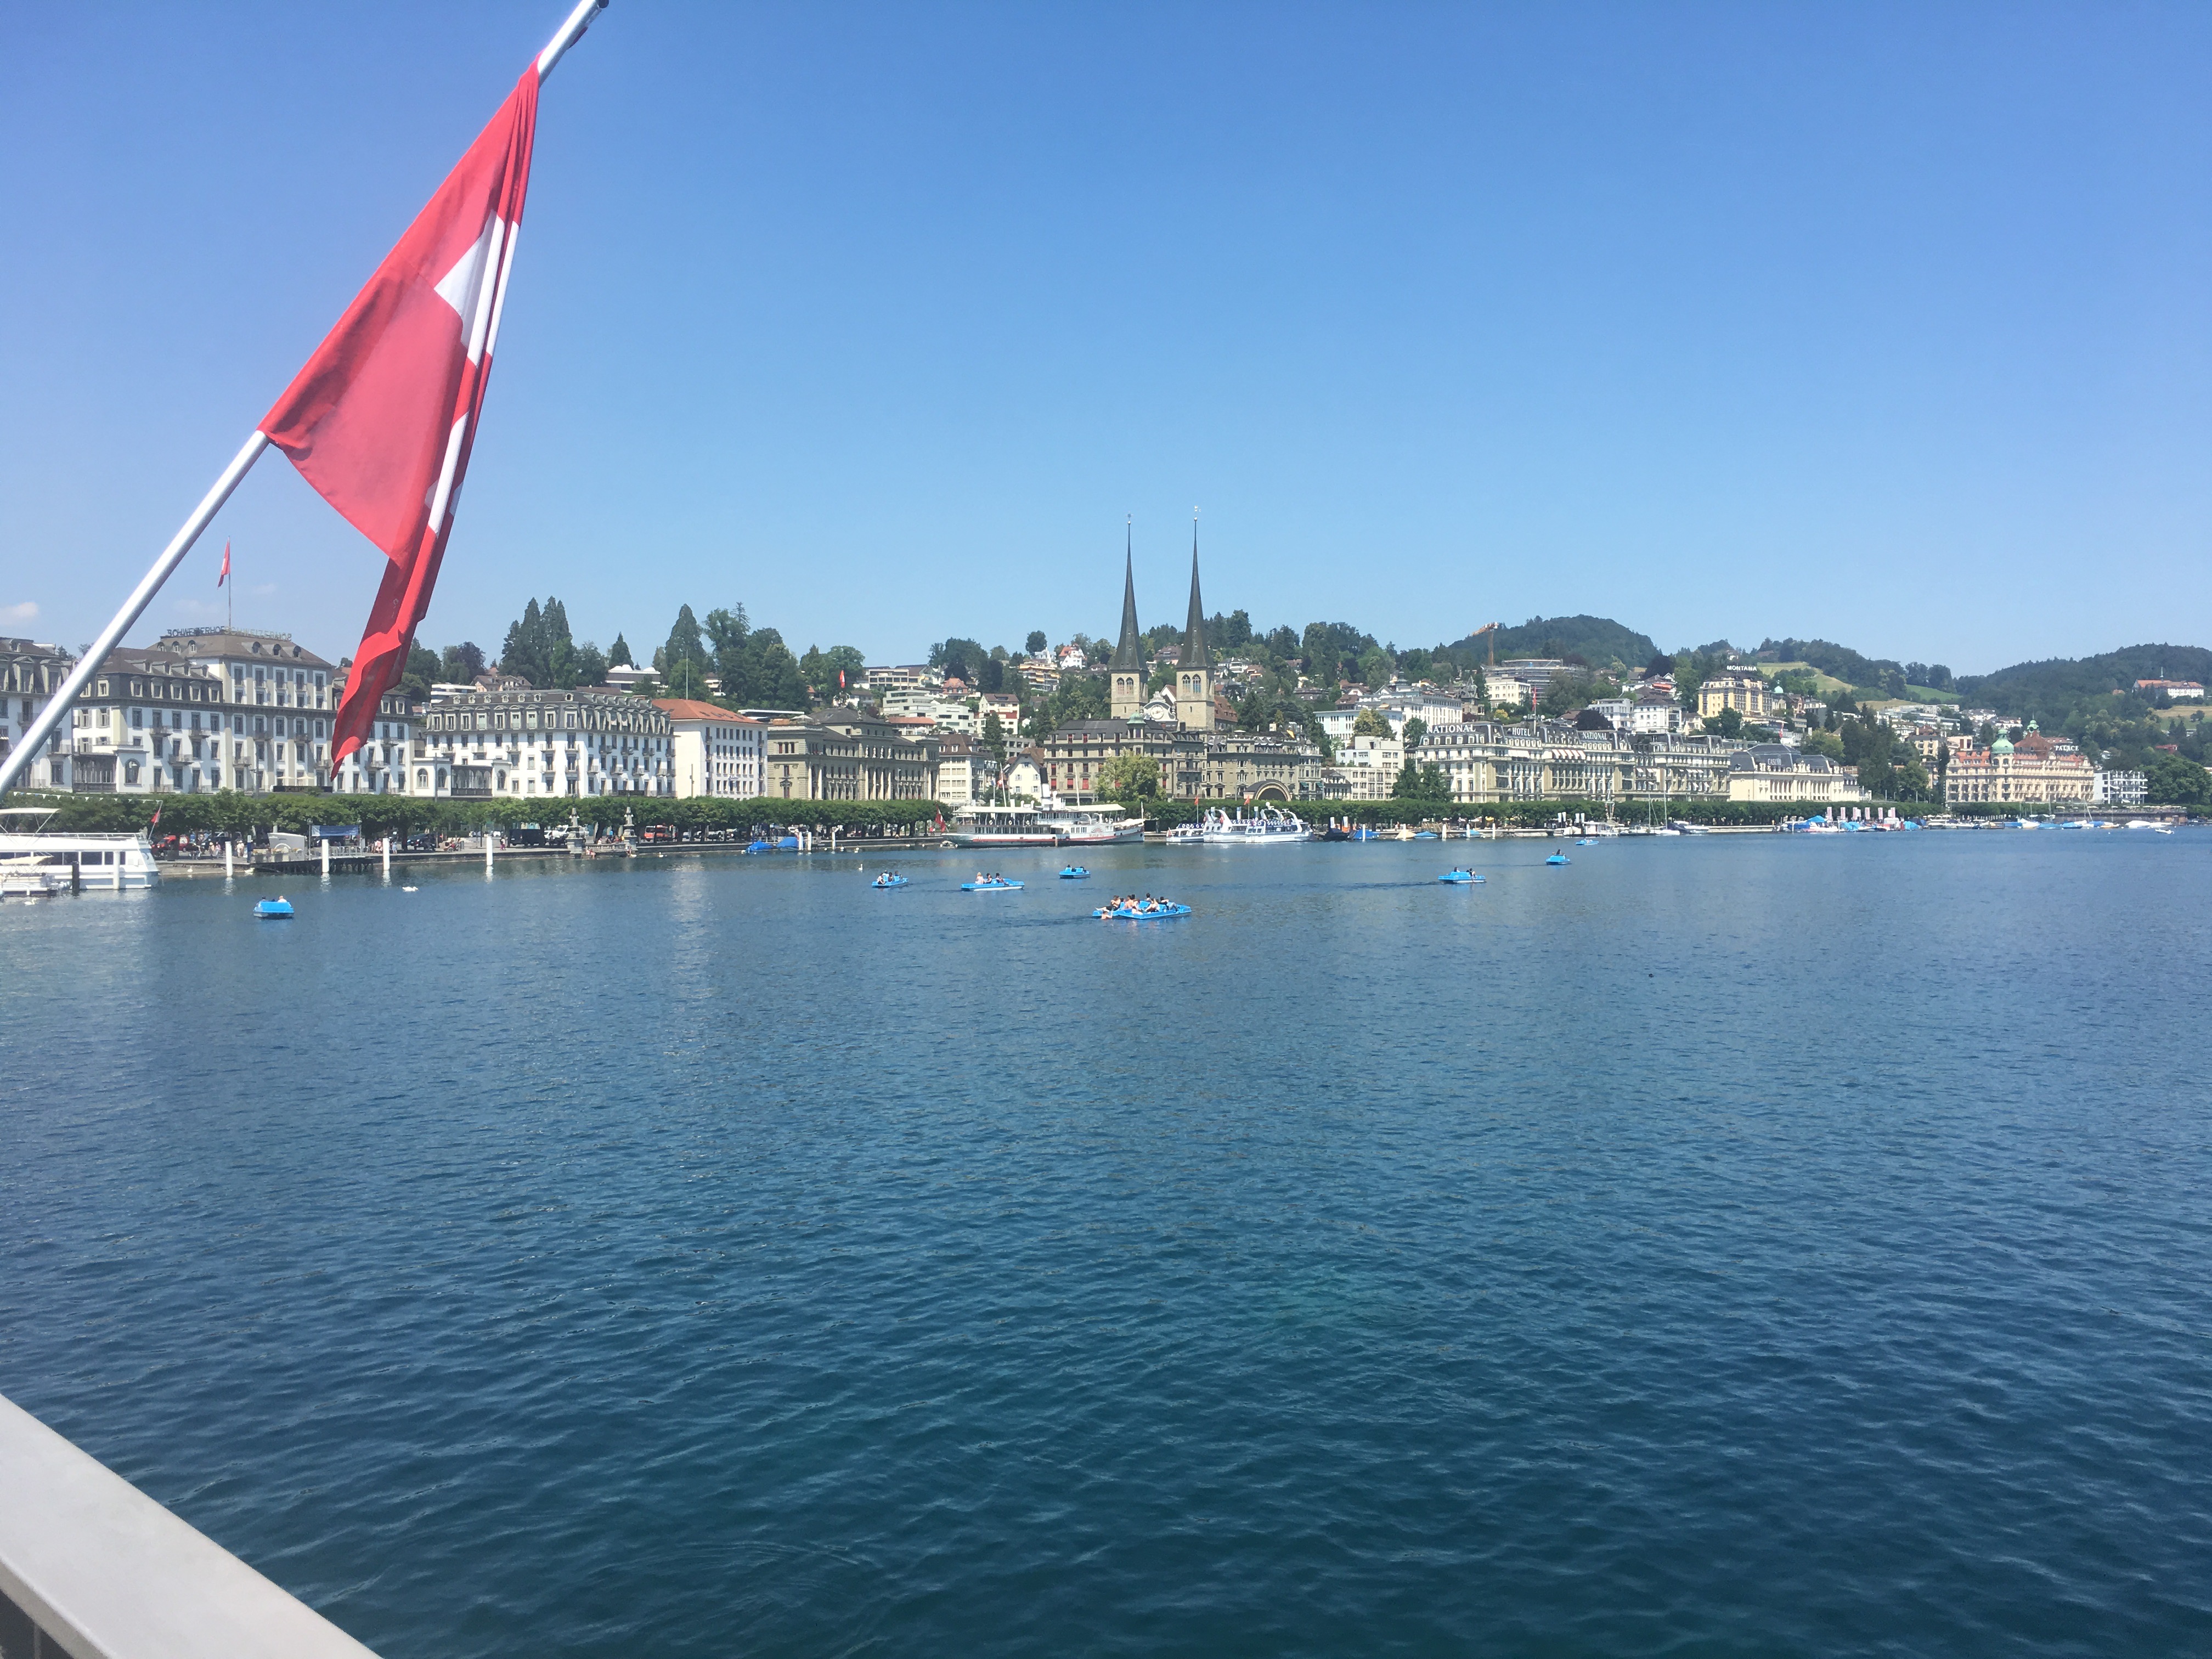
[{"x": 382, "y": 418}]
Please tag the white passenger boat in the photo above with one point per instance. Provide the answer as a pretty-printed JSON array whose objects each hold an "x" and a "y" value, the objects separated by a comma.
[
  {"x": 1269, "y": 827},
  {"x": 982, "y": 824},
  {"x": 34, "y": 861},
  {"x": 1091, "y": 826}
]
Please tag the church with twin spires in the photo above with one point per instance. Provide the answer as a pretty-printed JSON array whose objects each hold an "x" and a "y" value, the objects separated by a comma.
[{"x": 1200, "y": 756}]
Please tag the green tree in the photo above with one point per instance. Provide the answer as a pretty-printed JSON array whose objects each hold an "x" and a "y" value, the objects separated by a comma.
[
  {"x": 1908, "y": 778},
  {"x": 618, "y": 653},
  {"x": 959, "y": 658},
  {"x": 1692, "y": 670},
  {"x": 1564, "y": 694},
  {"x": 773, "y": 673},
  {"x": 524, "y": 651},
  {"x": 461, "y": 663},
  {"x": 683, "y": 664},
  {"x": 1822, "y": 743},
  {"x": 560, "y": 646},
  {"x": 1416, "y": 729},
  {"x": 994, "y": 740},
  {"x": 1728, "y": 723},
  {"x": 538, "y": 647},
  {"x": 590, "y": 665},
  {"x": 1129, "y": 778},
  {"x": 2170, "y": 781},
  {"x": 421, "y": 670},
  {"x": 829, "y": 674},
  {"x": 1415, "y": 782},
  {"x": 1370, "y": 723},
  {"x": 1034, "y": 646},
  {"x": 1079, "y": 697}
]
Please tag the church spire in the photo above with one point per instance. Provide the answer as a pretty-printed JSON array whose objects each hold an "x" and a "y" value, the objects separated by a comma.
[
  {"x": 1194, "y": 635},
  {"x": 1129, "y": 651}
]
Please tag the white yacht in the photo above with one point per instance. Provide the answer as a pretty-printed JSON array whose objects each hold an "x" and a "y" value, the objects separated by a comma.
[
  {"x": 1092, "y": 826},
  {"x": 981, "y": 824},
  {"x": 34, "y": 862},
  {"x": 1269, "y": 827}
]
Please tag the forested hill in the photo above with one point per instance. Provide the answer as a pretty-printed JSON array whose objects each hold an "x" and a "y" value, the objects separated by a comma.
[
  {"x": 2048, "y": 691},
  {"x": 1599, "y": 640}
]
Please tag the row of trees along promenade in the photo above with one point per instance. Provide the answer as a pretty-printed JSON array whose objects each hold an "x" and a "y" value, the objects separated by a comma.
[{"x": 227, "y": 815}]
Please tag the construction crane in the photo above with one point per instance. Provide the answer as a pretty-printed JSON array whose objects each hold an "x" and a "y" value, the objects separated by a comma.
[{"x": 1489, "y": 628}]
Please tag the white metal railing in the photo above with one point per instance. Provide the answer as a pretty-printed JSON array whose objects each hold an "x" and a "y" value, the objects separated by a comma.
[{"x": 92, "y": 1568}]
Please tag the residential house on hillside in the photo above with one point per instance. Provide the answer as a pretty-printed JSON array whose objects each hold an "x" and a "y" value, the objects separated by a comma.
[
  {"x": 964, "y": 772},
  {"x": 1365, "y": 770},
  {"x": 1534, "y": 674},
  {"x": 1747, "y": 694}
]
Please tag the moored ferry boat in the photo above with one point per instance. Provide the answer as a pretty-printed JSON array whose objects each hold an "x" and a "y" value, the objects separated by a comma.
[
  {"x": 1269, "y": 827},
  {"x": 34, "y": 860},
  {"x": 1092, "y": 826},
  {"x": 981, "y": 824}
]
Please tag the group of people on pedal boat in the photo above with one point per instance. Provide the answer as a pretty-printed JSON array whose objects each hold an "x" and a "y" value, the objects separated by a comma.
[
  {"x": 990, "y": 880},
  {"x": 1130, "y": 905}
]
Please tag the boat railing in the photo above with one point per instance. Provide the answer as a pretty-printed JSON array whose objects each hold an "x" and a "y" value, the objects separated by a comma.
[{"x": 92, "y": 1568}]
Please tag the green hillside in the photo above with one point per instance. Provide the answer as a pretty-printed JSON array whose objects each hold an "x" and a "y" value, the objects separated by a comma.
[
  {"x": 1599, "y": 640},
  {"x": 2050, "y": 690}
]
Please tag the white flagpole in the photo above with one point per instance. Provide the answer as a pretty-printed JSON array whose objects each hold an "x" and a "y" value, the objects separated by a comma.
[
  {"x": 142, "y": 596},
  {"x": 569, "y": 33},
  {"x": 12, "y": 765}
]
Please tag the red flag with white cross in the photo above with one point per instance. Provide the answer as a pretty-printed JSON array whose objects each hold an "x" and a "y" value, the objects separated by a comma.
[{"x": 382, "y": 418}]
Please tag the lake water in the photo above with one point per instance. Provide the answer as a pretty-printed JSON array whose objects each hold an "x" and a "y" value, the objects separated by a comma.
[{"x": 1733, "y": 1245}]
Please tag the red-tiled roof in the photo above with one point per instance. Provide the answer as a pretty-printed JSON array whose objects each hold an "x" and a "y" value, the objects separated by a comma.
[{"x": 689, "y": 708}]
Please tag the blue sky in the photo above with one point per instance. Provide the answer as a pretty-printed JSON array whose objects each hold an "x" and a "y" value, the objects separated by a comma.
[{"x": 1883, "y": 323}]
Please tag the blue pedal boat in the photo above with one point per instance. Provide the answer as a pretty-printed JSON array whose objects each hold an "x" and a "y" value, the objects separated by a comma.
[
  {"x": 276, "y": 910},
  {"x": 887, "y": 883},
  {"x": 1075, "y": 872},
  {"x": 990, "y": 887},
  {"x": 1158, "y": 913},
  {"x": 1559, "y": 858},
  {"x": 1460, "y": 878}
]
